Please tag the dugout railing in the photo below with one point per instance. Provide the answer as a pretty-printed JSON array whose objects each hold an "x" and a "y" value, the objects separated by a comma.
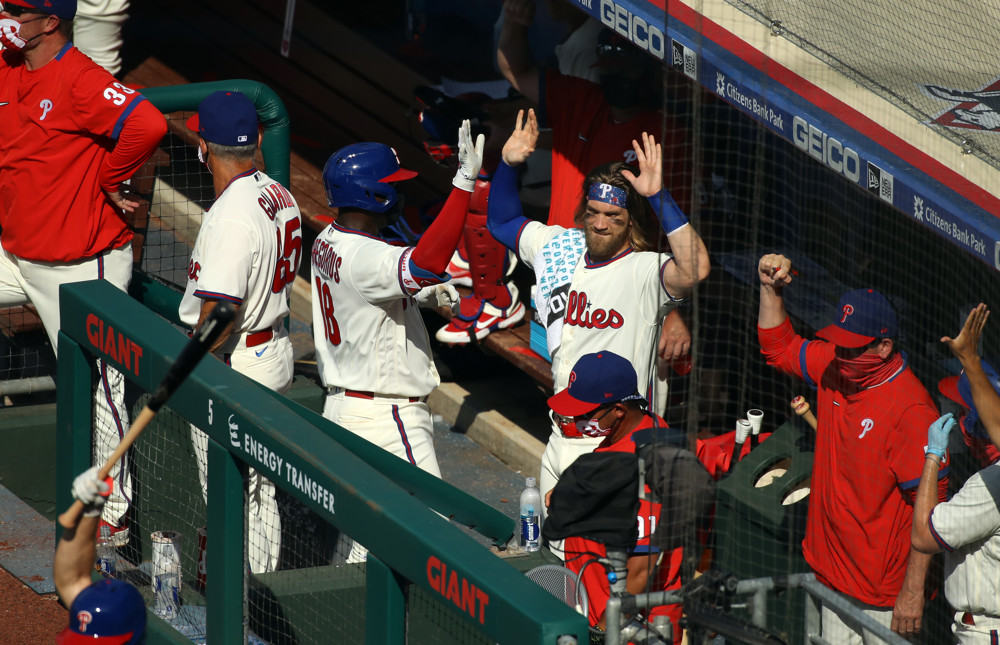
[{"x": 408, "y": 541}]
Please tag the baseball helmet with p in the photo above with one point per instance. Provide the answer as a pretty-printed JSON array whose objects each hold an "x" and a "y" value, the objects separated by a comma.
[{"x": 361, "y": 175}]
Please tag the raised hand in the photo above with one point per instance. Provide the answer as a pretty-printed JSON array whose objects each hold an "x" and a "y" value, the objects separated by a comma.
[
  {"x": 470, "y": 158},
  {"x": 520, "y": 12},
  {"x": 964, "y": 345},
  {"x": 522, "y": 140},
  {"x": 774, "y": 270},
  {"x": 649, "y": 156}
]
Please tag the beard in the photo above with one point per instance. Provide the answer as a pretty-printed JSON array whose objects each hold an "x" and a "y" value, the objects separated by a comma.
[{"x": 605, "y": 246}]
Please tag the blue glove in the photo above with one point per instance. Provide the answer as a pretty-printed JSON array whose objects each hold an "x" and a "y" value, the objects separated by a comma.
[{"x": 937, "y": 436}]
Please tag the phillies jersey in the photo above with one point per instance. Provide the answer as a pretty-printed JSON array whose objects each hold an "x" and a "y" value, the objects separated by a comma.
[
  {"x": 968, "y": 528},
  {"x": 579, "y": 549},
  {"x": 60, "y": 125},
  {"x": 368, "y": 333},
  {"x": 585, "y": 136},
  {"x": 868, "y": 461},
  {"x": 247, "y": 252},
  {"x": 615, "y": 305}
]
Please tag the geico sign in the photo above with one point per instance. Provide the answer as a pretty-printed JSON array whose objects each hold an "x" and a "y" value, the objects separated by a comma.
[
  {"x": 633, "y": 27},
  {"x": 825, "y": 148}
]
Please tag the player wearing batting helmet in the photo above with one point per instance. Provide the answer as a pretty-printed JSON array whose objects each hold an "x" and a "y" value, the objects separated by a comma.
[
  {"x": 872, "y": 417},
  {"x": 109, "y": 611},
  {"x": 604, "y": 289},
  {"x": 372, "y": 348}
]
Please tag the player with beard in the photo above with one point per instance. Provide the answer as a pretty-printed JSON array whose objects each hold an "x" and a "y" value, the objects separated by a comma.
[
  {"x": 617, "y": 289},
  {"x": 872, "y": 414},
  {"x": 591, "y": 124}
]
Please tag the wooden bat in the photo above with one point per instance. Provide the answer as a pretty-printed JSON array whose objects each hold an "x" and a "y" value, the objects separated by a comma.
[
  {"x": 801, "y": 407},
  {"x": 195, "y": 349}
]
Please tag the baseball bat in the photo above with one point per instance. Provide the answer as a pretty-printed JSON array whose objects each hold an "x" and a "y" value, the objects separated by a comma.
[
  {"x": 801, "y": 407},
  {"x": 195, "y": 349}
]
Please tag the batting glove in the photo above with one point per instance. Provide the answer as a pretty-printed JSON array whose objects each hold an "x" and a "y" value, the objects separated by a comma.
[
  {"x": 9, "y": 38},
  {"x": 937, "y": 436},
  {"x": 92, "y": 491},
  {"x": 439, "y": 295},
  {"x": 470, "y": 158}
]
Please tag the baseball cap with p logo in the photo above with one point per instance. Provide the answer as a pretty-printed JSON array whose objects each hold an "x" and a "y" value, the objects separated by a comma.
[
  {"x": 862, "y": 316},
  {"x": 596, "y": 379},
  {"x": 226, "y": 118}
]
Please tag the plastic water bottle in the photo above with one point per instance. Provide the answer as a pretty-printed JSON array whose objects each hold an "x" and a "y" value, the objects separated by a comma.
[
  {"x": 531, "y": 526},
  {"x": 106, "y": 555}
]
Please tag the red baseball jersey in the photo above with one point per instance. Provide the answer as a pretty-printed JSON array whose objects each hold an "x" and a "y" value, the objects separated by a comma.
[
  {"x": 580, "y": 550},
  {"x": 868, "y": 461},
  {"x": 584, "y": 136},
  {"x": 61, "y": 122}
]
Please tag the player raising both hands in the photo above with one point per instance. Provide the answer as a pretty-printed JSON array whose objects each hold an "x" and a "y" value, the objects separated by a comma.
[{"x": 615, "y": 290}]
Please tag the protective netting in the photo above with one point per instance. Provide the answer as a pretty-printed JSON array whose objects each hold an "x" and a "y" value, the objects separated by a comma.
[{"x": 925, "y": 58}]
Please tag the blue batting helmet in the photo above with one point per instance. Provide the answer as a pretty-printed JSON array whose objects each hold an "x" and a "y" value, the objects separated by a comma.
[
  {"x": 360, "y": 176},
  {"x": 109, "y": 612}
]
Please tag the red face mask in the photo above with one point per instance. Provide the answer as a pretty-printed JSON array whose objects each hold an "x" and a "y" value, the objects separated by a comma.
[{"x": 867, "y": 370}]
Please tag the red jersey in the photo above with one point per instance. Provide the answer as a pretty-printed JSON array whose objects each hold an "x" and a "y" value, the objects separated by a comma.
[
  {"x": 868, "y": 461},
  {"x": 579, "y": 551},
  {"x": 584, "y": 137},
  {"x": 62, "y": 122}
]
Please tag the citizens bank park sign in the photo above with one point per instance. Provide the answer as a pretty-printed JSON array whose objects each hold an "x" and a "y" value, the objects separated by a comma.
[{"x": 787, "y": 105}]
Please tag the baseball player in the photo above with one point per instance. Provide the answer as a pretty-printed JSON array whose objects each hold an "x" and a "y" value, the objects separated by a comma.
[
  {"x": 871, "y": 414},
  {"x": 107, "y": 611},
  {"x": 977, "y": 389},
  {"x": 73, "y": 135},
  {"x": 615, "y": 291},
  {"x": 247, "y": 252},
  {"x": 967, "y": 529},
  {"x": 372, "y": 348}
]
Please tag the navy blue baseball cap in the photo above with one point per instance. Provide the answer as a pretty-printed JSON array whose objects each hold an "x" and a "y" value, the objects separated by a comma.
[
  {"x": 596, "y": 379},
  {"x": 65, "y": 9},
  {"x": 863, "y": 316},
  {"x": 226, "y": 118}
]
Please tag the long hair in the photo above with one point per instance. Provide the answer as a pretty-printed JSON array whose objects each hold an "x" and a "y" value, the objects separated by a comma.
[{"x": 642, "y": 233}]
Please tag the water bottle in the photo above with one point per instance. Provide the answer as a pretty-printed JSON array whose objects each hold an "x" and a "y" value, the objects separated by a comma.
[
  {"x": 531, "y": 528},
  {"x": 106, "y": 555}
]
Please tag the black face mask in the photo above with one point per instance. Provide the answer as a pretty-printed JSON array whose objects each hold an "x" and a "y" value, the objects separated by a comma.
[{"x": 621, "y": 91}]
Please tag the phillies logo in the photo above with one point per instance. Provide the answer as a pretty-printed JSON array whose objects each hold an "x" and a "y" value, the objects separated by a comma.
[
  {"x": 572, "y": 377},
  {"x": 605, "y": 191},
  {"x": 577, "y": 314},
  {"x": 866, "y": 426},
  {"x": 84, "y": 618},
  {"x": 848, "y": 310}
]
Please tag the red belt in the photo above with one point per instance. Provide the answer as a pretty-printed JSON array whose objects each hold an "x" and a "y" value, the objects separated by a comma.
[
  {"x": 967, "y": 619},
  {"x": 371, "y": 395},
  {"x": 259, "y": 337}
]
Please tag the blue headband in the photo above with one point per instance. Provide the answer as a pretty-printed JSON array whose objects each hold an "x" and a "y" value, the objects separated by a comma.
[{"x": 608, "y": 194}]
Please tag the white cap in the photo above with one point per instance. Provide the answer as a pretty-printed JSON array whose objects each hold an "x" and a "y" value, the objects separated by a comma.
[{"x": 530, "y": 482}]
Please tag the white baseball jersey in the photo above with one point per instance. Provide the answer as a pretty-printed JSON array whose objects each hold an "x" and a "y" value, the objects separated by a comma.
[
  {"x": 247, "y": 252},
  {"x": 368, "y": 333},
  {"x": 968, "y": 528},
  {"x": 615, "y": 305}
]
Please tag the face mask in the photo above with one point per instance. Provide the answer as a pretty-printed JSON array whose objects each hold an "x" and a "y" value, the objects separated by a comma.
[
  {"x": 11, "y": 30},
  {"x": 621, "y": 92},
  {"x": 868, "y": 370},
  {"x": 203, "y": 158},
  {"x": 592, "y": 427}
]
